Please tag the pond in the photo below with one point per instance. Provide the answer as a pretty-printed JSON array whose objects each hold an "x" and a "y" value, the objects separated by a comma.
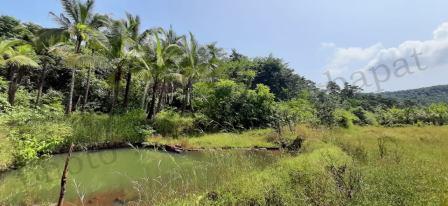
[{"x": 117, "y": 177}]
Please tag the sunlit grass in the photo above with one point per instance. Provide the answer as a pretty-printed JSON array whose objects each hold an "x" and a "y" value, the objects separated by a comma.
[
  {"x": 385, "y": 166},
  {"x": 249, "y": 139}
]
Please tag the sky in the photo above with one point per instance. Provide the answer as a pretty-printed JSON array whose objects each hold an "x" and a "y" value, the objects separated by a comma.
[{"x": 380, "y": 45}]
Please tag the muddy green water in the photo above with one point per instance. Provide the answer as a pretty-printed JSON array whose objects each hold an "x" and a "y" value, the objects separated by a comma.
[{"x": 114, "y": 177}]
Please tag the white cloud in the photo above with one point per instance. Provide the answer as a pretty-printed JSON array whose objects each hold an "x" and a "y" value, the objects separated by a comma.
[
  {"x": 327, "y": 45},
  {"x": 432, "y": 54}
]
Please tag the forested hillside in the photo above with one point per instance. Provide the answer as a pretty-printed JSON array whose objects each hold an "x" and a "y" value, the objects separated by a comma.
[{"x": 421, "y": 96}]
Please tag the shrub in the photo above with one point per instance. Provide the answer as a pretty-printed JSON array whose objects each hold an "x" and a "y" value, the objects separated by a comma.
[
  {"x": 364, "y": 117},
  {"x": 297, "y": 111},
  {"x": 34, "y": 140},
  {"x": 344, "y": 118},
  {"x": 438, "y": 113},
  {"x": 232, "y": 106},
  {"x": 171, "y": 123}
]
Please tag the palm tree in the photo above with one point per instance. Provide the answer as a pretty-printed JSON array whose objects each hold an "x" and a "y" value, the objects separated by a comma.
[
  {"x": 162, "y": 55},
  {"x": 43, "y": 48},
  {"x": 132, "y": 25},
  {"x": 193, "y": 67},
  {"x": 215, "y": 55},
  {"x": 122, "y": 51},
  {"x": 16, "y": 55},
  {"x": 77, "y": 24}
]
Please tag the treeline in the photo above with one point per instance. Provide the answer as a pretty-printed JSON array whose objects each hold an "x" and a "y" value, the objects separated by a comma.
[
  {"x": 422, "y": 96},
  {"x": 348, "y": 106},
  {"x": 92, "y": 63}
]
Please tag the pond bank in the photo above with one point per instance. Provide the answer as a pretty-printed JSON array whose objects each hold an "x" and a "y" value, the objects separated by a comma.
[{"x": 128, "y": 175}]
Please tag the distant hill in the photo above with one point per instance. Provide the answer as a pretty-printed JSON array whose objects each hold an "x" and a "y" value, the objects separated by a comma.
[{"x": 421, "y": 96}]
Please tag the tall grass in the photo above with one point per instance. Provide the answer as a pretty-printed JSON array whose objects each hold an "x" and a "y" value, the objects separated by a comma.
[
  {"x": 357, "y": 166},
  {"x": 248, "y": 139},
  {"x": 102, "y": 128}
]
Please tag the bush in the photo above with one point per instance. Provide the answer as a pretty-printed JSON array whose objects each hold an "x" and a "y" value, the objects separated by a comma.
[
  {"x": 171, "y": 123},
  {"x": 297, "y": 111},
  {"x": 438, "y": 113},
  {"x": 231, "y": 106},
  {"x": 364, "y": 117},
  {"x": 34, "y": 140},
  {"x": 344, "y": 118}
]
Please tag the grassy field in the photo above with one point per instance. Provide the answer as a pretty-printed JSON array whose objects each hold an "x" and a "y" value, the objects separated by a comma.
[
  {"x": 359, "y": 166},
  {"x": 248, "y": 139}
]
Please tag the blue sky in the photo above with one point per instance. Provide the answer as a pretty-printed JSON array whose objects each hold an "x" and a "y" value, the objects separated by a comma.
[{"x": 312, "y": 36}]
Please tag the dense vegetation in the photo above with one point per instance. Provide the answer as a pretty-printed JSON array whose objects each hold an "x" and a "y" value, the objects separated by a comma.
[
  {"x": 421, "y": 96},
  {"x": 120, "y": 83},
  {"x": 99, "y": 82}
]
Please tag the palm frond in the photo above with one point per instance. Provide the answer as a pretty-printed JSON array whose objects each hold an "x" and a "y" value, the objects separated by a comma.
[
  {"x": 61, "y": 20},
  {"x": 71, "y": 8},
  {"x": 21, "y": 61}
]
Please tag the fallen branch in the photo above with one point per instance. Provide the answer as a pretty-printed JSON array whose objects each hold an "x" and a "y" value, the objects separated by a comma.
[{"x": 64, "y": 176}]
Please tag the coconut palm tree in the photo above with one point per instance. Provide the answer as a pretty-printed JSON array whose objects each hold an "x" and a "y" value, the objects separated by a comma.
[
  {"x": 16, "y": 56},
  {"x": 193, "y": 67},
  {"x": 77, "y": 25},
  {"x": 132, "y": 25},
  {"x": 162, "y": 56},
  {"x": 214, "y": 56},
  {"x": 122, "y": 50}
]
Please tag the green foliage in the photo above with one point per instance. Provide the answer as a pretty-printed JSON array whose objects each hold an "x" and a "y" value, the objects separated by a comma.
[
  {"x": 37, "y": 139},
  {"x": 171, "y": 123},
  {"x": 421, "y": 96},
  {"x": 344, "y": 118},
  {"x": 231, "y": 106},
  {"x": 438, "y": 113},
  {"x": 98, "y": 129},
  {"x": 11, "y": 27},
  {"x": 364, "y": 117},
  {"x": 282, "y": 81},
  {"x": 297, "y": 111}
]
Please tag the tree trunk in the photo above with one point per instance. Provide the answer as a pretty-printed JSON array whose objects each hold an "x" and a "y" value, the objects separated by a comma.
[
  {"x": 190, "y": 95},
  {"x": 128, "y": 88},
  {"x": 14, "y": 85},
  {"x": 152, "y": 105},
  {"x": 161, "y": 97},
  {"x": 72, "y": 90},
  {"x": 41, "y": 85},
  {"x": 145, "y": 92},
  {"x": 116, "y": 89},
  {"x": 72, "y": 83},
  {"x": 86, "y": 94},
  {"x": 187, "y": 94}
]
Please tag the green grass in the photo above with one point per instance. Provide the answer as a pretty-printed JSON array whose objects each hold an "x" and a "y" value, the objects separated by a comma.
[
  {"x": 358, "y": 166},
  {"x": 249, "y": 139},
  {"x": 92, "y": 129}
]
